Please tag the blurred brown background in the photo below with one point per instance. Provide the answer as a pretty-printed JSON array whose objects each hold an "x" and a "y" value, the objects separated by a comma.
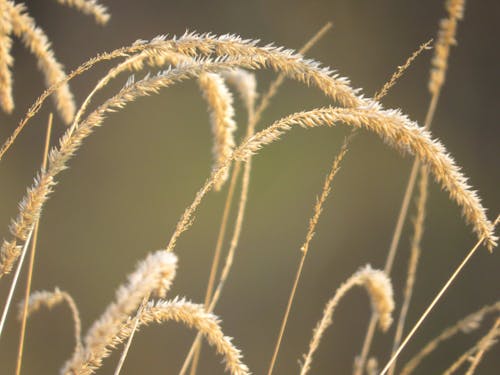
[{"x": 131, "y": 181}]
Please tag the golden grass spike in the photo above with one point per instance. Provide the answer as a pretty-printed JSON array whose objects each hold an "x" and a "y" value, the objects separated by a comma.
[
  {"x": 153, "y": 275},
  {"x": 89, "y": 7},
  {"x": 401, "y": 133},
  {"x": 466, "y": 325},
  {"x": 6, "y": 59},
  {"x": 178, "y": 310},
  {"x": 245, "y": 84},
  {"x": 35, "y": 39},
  {"x": 39, "y": 299},
  {"x": 379, "y": 288},
  {"x": 446, "y": 39},
  {"x": 221, "y": 109}
]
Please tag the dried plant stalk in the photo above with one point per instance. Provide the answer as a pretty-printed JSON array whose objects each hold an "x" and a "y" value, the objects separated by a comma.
[
  {"x": 50, "y": 299},
  {"x": 89, "y": 7},
  {"x": 24, "y": 27},
  {"x": 179, "y": 310},
  {"x": 379, "y": 288},
  {"x": 470, "y": 323}
]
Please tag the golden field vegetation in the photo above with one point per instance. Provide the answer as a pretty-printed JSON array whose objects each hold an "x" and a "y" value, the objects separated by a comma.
[{"x": 225, "y": 68}]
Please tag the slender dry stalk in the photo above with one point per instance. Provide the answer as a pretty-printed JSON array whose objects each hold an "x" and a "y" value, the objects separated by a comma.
[
  {"x": 89, "y": 7},
  {"x": 24, "y": 27},
  {"x": 379, "y": 288},
  {"x": 179, "y": 310},
  {"x": 414, "y": 258},
  {"x": 400, "y": 71},
  {"x": 433, "y": 303},
  {"x": 50, "y": 299},
  {"x": 478, "y": 350},
  {"x": 32, "y": 259},
  {"x": 318, "y": 208},
  {"x": 470, "y": 323},
  {"x": 6, "y": 59},
  {"x": 484, "y": 345},
  {"x": 446, "y": 37}
]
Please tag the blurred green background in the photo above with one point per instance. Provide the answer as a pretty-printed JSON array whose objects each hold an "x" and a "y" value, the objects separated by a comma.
[{"x": 131, "y": 181}]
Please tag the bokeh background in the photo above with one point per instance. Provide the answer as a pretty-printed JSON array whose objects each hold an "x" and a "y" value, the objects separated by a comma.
[{"x": 131, "y": 181}]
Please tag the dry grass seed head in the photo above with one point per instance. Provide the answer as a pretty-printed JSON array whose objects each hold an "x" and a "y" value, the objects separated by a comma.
[
  {"x": 379, "y": 288},
  {"x": 6, "y": 59},
  {"x": 89, "y": 7},
  {"x": 50, "y": 299},
  {"x": 179, "y": 310},
  {"x": 34, "y": 38}
]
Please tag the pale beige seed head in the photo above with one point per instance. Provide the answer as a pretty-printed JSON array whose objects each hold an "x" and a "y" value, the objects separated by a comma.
[{"x": 89, "y": 7}]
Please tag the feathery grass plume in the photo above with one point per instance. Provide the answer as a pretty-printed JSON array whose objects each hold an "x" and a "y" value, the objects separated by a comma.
[
  {"x": 398, "y": 131},
  {"x": 221, "y": 110},
  {"x": 24, "y": 27},
  {"x": 379, "y": 288},
  {"x": 246, "y": 85},
  {"x": 179, "y": 310},
  {"x": 446, "y": 39},
  {"x": 153, "y": 275},
  {"x": 6, "y": 59},
  {"x": 89, "y": 7},
  {"x": 50, "y": 299},
  {"x": 475, "y": 354},
  {"x": 467, "y": 325}
]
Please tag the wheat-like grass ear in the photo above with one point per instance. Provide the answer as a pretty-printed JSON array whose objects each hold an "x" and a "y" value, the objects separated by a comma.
[
  {"x": 379, "y": 288},
  {"x": 6, "y": 59},
  {"x": 49, "y": 299},
  {"x": 89, "y": 7},
  {"x": 24, "y": 27},
  {"x": 152, "y": 276},
  {"x": 178, "y": 310}
]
